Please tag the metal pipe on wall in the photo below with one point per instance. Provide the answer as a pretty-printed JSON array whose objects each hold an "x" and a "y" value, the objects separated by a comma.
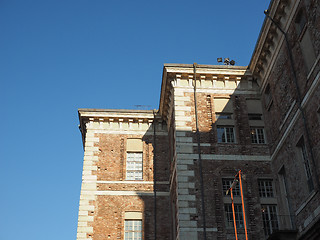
[{"x": 199, "y": 150}]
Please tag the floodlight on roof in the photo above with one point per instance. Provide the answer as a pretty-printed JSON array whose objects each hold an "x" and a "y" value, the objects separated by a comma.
[{"x": 226, "y": 61}]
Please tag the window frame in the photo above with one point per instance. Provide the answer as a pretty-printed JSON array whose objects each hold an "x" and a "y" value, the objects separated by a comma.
[
  {"x": 254, "y": 116},
  {"x": 224, "y": 135},
  {"x": 300, "y": 22},
  {"x": 268, "y": 96},
  {"x": 255, "y": 139},
  {"x": 269, "y": 224},
  {"x": 306, "y": 162},
  {"x": 266, "y": 191},
  {"x": 229, "y": 215},
  {"x": 225, "y": 186},
  {"x": 223, "y": 116},
  {"x": 135, "y": 170},
  {"x": 136, "y": 233}
]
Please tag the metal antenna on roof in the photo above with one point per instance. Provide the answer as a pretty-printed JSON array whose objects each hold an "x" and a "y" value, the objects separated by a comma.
[{"x": 142, "y": 107}]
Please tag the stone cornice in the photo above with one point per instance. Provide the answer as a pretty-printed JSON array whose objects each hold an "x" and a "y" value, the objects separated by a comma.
[
  {"x": 270, "y": 38},
  {"x": 114, "y": 115},
  {"x": 117, "y": 119},
  {"x": 210, "y": 77},
  {"x": 208, "y": 69}
]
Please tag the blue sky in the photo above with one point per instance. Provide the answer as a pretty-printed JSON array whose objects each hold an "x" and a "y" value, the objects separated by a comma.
[{"x": 60, "y": 55}]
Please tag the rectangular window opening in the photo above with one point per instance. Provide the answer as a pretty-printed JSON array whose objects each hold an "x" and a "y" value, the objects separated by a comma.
[
  {"x": 300, "y": 22},
  {"x": 133, "y": 230},
  {"x": 254, "y": 116},
  {"x": 134, "y": 166},
  {"x": 268, "y": 96},
  {"x": 257, "y": 135},
  {"x": 270, "y": 218},
  {"x": 304, "y": 155},
  {"x": 226, "y": 184},
  {"x": 223, "y": 115},
  {"x": 266, "y": 188},
  {"x": 238, "y": 215},
  {"x": 225, "y": 134}
]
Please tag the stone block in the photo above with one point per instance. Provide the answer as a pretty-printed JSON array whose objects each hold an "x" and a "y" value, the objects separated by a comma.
[
  {"x": 83, "y": 213},
  {"x": 184, "y": 139},
  {"x": 187, "y": 224},
  {"x": 188, "y": 210},
  {"x": 85, "y": 218},
  {"x": 184, "y": 216},
  {"x": 85, "y": 229}
]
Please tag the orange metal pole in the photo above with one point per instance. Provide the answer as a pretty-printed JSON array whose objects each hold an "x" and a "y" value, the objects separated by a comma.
[
  {"x": 243, "y": 210},
  {"x": 234, "y": 216}
]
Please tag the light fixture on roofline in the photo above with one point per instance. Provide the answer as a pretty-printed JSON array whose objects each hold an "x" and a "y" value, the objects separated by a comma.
[{"x": 226, "y": 61}]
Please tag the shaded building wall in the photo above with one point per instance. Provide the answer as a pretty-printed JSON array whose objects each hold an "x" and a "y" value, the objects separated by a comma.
[{"x": 294, "y": 141}]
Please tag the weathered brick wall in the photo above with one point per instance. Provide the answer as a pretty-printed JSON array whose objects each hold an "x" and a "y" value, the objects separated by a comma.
[
  {"x": 109, "y": 217},
  {"x": 284, "y": 123},
  {"x": 208, "y": 126},
  {"x": 215, "y": 170},
  {"x": 281, "y": 81}
]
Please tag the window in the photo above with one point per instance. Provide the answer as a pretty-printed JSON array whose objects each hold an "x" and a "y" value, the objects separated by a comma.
[
  {"x": 305, "y": 158},
  {"x": 300, "y": 22},
  {"x": 267, "y": 96},
  {"x": 265, "y": 188},
  {"x": 254, "y": 109},
  {"x": 223, "y": 116},
  {"x": 287, "y": 218},
  {"x": 305, "y": 40},
  {"x": 226, "y": 183},
  {"x": 307, "y": 50},
  {"x": 238, "y": 215},
  {"x": 257, "y": 135},
  {"x": 269, "y": 217},
  {"x": 133, "y": 225},
  {"x": 253, "y": 116},
  {"x": 134, "y": 166},
  {"x": 225, "y": 134},
  {"x": 133, "y": 229}
]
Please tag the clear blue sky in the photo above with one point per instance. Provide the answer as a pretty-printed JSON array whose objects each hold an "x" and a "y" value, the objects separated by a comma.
[{"x": 60, "y": 55}]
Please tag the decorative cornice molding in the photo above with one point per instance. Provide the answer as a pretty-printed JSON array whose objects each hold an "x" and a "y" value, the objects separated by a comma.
[
  {"x": 270, "y": 38},
  {"x": 209, "y": 77}
]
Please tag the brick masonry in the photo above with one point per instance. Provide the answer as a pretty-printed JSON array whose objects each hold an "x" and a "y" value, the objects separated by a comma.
[{"x": 170, "y": 194}]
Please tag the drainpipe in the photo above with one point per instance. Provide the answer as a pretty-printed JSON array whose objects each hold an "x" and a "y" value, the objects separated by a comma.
[
  {"x": 199, "y": 152},
  {"x": 155, "y": 174},
  {"x": 305, "y": 124}
]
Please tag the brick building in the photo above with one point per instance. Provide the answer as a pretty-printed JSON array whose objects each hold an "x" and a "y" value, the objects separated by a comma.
[
  {"x": 286, "y": 65},
  {"x": 164, "y": 174}
]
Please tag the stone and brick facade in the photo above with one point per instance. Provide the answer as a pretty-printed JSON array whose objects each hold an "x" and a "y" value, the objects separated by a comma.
[{"x": 163, "y": 174}]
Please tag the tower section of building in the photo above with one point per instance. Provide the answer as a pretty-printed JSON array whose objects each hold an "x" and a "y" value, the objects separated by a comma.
[
  {"x": 125, "y": 182},
  {"x": 211, "y": 139}
]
